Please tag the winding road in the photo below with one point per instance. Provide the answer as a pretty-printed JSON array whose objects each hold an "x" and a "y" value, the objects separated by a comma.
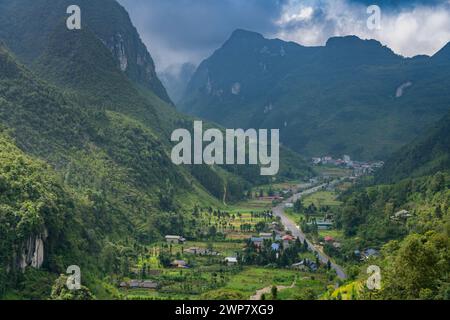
[{"x": 298, "y": 233}]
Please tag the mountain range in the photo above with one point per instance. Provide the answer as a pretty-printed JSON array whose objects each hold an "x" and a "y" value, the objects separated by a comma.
[
  {"x": 351, "y": 96},
  {"x": 85, "y": 123}
]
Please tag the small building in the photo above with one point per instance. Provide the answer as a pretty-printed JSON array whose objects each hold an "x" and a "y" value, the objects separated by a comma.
[
  {"x": 147, "y": 284},
  {"x": 231, "y": 261},
  {"x": 179, "y": 264},
  {"x": 275, "y": 247},
  {"x": 201, "y": 251},
  {"x": 175, "y": 239},
  {"x": 139, "y": 284},
  {"x": 337, "y": 245},
  {"x": 275, "y": 226},
  {"x": 287, "y": 239},
  {"x": 134, "y": 284},
  {"x": 257, "y": 242},
  {"x": 288, "y": 205},
  {"x": 329, "y": 239},
  {"x": 266, "y": 236},
  {"x": 324, "y": 225}
]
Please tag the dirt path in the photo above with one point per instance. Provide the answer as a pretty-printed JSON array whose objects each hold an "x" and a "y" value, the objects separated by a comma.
[{"x": 268, "y": 290}]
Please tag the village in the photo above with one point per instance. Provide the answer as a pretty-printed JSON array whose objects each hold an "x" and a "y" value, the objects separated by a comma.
[
  {"x": 246, "y": 250},
  {"x": 359, "y": 168},
  {"x": 251, "y": 251}
]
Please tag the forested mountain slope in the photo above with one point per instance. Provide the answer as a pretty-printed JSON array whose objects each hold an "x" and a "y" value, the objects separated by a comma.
[
  {"x": 101, "y": 132},
  {"x": 351, "y": 96},
  {"x": 405, "y": 211},
  {"x": 26, "y": 25},
  {"x": 428, "y": 154}
]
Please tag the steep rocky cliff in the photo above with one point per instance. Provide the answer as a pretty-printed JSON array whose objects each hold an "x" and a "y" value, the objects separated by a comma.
[{"x": 20, "y": 19}]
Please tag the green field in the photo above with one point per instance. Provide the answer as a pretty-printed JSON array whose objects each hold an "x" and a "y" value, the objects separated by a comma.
[
  {"x": 332, "y": 171},
  {"x": 240, "y": 285},
  {"x": 322, "y": 198},
  {"x": 336, "y": 234},
  {"x": 208, "y": 277},
  {"x": 253, "y": 204}
]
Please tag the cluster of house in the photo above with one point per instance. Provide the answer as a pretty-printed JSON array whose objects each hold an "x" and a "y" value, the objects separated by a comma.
[
  {"x": 359, "y": 167},
  {"x": 285, "y": 240},
  {"x": 182, "y": 264},
  {"x": 139, "y": 284},
  {"x": 201, "y": 251}
]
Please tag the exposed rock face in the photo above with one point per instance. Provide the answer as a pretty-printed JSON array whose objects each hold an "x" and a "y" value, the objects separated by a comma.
[
  {"x": 127, "y": 48},
  {"x": 32, "y": 254},
  {"x": 118, "y": 50},
  {"x": 401, "y": 90}
]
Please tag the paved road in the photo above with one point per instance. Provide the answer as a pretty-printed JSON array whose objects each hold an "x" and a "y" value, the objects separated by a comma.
[{"x": 298, "y": 233}]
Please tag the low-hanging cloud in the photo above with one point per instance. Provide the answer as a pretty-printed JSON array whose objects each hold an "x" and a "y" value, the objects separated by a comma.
[{"x": 180, "y": 31}]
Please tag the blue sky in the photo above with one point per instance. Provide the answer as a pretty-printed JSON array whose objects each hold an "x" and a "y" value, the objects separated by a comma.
[{"x": 179, "y": 31}]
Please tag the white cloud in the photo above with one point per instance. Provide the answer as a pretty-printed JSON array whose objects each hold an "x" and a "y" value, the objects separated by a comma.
[
  {"x": 420, "y": 31},
  {"x": 180, "y": 31},
  {"x": 411, "y": 31},
  {"x": 302, "y": 14}
]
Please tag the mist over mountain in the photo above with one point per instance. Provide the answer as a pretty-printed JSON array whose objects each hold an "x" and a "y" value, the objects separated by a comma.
[
  {"x": 337, "y": 99},
  {"x": 176, "y": 78}
]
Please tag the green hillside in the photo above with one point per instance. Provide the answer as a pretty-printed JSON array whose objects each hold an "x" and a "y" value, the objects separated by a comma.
[
  {"x": 405, "y": 212},
  {"x": 95, "y": 137},
  {"x": 428, "y": 154}
]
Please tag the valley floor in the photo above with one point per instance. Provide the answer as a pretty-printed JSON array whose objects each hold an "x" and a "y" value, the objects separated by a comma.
[{"x": 208, "y": 276}]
